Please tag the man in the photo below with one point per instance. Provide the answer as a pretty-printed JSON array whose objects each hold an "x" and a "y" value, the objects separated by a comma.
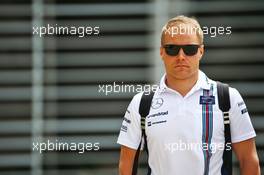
[{"x": 178, "y": 119}]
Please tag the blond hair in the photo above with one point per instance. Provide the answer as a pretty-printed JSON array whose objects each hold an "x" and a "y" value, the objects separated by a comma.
[{"x": 183, "y": 20}]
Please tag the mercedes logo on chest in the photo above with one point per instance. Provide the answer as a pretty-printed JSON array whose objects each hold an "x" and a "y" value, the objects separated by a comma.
[{"x": 156, "y": 103}]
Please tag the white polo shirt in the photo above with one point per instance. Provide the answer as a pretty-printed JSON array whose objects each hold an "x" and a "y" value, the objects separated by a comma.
[{"x": 184, "y": 135}]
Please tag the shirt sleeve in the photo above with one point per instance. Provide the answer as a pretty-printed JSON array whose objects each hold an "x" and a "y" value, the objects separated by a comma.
[
  {"x": 240, "y": 123},
  {"x": 130, "y": 132}
]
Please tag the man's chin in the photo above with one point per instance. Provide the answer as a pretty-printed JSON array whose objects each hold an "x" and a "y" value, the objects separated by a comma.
[{"x": 181, "y": 75}]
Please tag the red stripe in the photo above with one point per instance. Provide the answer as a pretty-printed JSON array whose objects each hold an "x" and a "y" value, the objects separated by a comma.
[{"x": 207, "y": 123}]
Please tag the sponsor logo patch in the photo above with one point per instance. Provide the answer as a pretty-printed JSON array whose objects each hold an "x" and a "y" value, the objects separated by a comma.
[
  {"x": 158, "y": 114},
  {"x": 127, "y": 120},
  {"x": 243, "y": 111},
  {"x": 124, "y": 128},
  {"x": 240, "y": 104},
  {"x": 210, "y": 100},
  {"x": 155, "y": 123},
  {"x": 158, "y": 122}
]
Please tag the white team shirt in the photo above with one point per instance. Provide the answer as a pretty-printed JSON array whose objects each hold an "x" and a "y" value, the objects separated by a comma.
[{"x": 180, "y": 132}]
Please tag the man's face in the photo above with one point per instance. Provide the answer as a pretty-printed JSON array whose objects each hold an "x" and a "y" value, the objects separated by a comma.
[{"x": 181, "y": 66}]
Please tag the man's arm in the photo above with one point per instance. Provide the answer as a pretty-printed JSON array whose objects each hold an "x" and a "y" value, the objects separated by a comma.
[
  {"x": 247, "y": 156},
  {"x": 126, "y": 162}
]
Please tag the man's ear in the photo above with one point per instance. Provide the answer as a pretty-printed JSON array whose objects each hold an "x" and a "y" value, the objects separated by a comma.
[
  {"x": 161, "y": 52},
  {"x": 201, "y": 50}
]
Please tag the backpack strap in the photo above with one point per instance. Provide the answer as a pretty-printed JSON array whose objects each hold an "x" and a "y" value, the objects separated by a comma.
[
  {"x": 224, "y": 105},
  {"x": 144, "y": 109}
]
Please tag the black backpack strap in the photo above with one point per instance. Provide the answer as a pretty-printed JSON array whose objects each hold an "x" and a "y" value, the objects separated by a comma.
[
  {"x": 224, "y": 105},
  {"x": 144, "y": 108}
]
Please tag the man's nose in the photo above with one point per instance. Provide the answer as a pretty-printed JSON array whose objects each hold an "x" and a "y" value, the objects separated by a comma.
[{"x": 181, "y": 55}]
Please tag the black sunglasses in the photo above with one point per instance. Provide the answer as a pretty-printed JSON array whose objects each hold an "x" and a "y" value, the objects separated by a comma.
[{"x": 189, "y": 50}]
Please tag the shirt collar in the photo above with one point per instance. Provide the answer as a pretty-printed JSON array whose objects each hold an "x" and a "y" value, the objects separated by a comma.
[{"x": 202, "y": 83}]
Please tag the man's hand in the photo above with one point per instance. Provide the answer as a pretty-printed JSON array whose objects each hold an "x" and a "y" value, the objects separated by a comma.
[
  {"x": 247, "y": 156},
  {"x": 126, "y": 162}
]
